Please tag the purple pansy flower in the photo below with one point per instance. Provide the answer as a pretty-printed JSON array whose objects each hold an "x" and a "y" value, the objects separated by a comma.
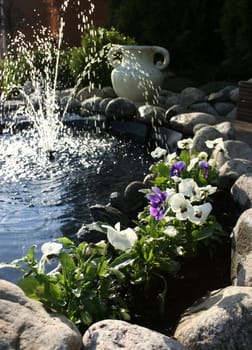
[
  {"x": 157, "y": 203},
  {"x": 177, "y": 168},
  {"x": 204, "y": 166}
]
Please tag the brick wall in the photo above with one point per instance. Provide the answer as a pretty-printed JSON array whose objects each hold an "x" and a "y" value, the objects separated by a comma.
[{"x": 24, "y": 15}]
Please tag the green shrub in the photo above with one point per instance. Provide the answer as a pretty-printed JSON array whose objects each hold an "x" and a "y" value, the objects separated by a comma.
[
  {"x": 89, "y": 62},
  {"x": 36, "y": 62}
]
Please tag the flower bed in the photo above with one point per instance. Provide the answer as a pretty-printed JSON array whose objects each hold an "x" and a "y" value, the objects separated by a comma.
[{"x": 132, "y": 272}]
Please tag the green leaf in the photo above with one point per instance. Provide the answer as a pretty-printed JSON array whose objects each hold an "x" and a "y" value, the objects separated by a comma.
[
  {"x": 67, "y": 263},
  {"x": 31, "y": 287},
  {"x": 119, "y": 275},
  {"x": 31, "y": 253},
  {"x": 122, "y": 261},
  {"x": 67, "y": 243},
  {"x": 204, "y": 233},
  {"x": 185, "y": 156},
  {"x": 86, "y": 318},
  {"x": 97, "y": 226},
  {"x": 160, "y": 180},
  {"x": 163, "y": 170}
]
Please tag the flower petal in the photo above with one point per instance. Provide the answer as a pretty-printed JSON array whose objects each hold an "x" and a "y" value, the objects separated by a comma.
[{"x": 51, "y": 248}]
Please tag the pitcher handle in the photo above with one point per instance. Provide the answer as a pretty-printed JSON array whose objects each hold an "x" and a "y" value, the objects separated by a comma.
[
  {"x": 162, "y": 65},
  {"x": 111, "y": 56}
]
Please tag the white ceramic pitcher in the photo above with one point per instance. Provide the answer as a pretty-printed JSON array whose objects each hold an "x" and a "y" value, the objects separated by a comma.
[{"x": 136, "y": 74}]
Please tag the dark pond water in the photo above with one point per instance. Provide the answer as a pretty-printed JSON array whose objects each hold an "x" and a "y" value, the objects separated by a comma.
[{"x": 42, "y": 199}]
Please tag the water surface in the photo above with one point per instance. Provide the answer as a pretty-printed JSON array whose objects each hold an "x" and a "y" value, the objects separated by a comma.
[{"x": 41, "y": 199}]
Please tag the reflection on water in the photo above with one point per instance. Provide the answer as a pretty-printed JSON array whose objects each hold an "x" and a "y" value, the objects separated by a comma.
[{"x": 41, "y": 199}]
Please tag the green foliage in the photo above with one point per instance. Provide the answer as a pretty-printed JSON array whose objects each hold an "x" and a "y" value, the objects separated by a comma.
[
  {"x": 29, "y": 63},
  {"x": 236, "y": 29},
  {"x": 81, "y": 65},
  {"x": 12, "y": 73},
  {"x": 85, "y": 286},
  {"x": 189, "y": 30},
  {"x": 89, "y": 62}
]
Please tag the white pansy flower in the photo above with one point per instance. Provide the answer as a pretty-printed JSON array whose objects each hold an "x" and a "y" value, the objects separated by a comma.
[
  {"x": 217, "y": 144},
  {"x": 158, "y": 152},
  {"x": 176, "y": 179},
  {"x": 51, "y": 248},
  {"x": 203, "y": 156},
  {"x": 170, "y": 158},
  {"x": 168, "y": 218},
  {"x": 170, "y": 192},
  {"x": 170, "y": 231},
  {"x": 121, "y": 239},
  {"x": 192, "y": 163},
  {"x": 212, "y": 162},
  {"x": 185, "y": 143},
  {"x": 200, "y": 213},
  {"x": 180, "y": 250},
  {"x": 207, "y": 190},
  {"x": 196, "y": 160},
  {"x": 189, "y": 188},
  {"x": 48, "y": 249},
  {"x": 181, "y": 206}
]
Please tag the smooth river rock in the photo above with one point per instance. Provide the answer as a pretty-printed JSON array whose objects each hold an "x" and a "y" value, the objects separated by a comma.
[
  {"x": 222, "y": 321},
  {"x": 241, "y": 261},
  {"x": 118, "y": 335},
  {"x": 25, "y": 324}
]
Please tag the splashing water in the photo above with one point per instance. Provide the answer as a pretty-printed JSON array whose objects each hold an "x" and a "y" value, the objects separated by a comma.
[{"x": 39, "y": 59}]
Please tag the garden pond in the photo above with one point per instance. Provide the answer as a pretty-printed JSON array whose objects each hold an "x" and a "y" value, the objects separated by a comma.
[{"x": 41, "y": 199}]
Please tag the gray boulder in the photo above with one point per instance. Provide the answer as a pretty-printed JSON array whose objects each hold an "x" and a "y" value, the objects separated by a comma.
[
  {"x": 223, "y": 108},
  {"x": 222, "y": 95},
  {"x": 131, "y": 201},
  {"x": 231, "y": 170},
  {"x": 234, "y": 95},
  {"x": 204, "y": 107},
  {"x": 233, "y": 149},
  {"x": 120, "y": 108},
  {"x": 221, "y": 321},
  {"x": 92, "y": 104},
  {"x": 88, "y": 92},
  {"x": 24, "y": 324},
  {"x": 226, "y": 129},
  {"x": 103, "y": 104},
  {"x": 109, "y": 215},
  {"x": 185, "y": 122},
  {"x": 71, "y": 104},
  {"x": 191, "y": 95},
  {"x": 113, "y": 335},
  {"x": 151, "y": 115},
  {"x": 241, "y": 262},
  {"x": 171, "y": 100},
  {"x": 204, "y": 134},
  {"x": 242, "y": 191},
  {"x": 174, "y": 110},
  {"x": 165, "y": 137},
  {"x": 232, "y": 114},
  {"x": 108, "y": 92},
  {"x": 135, "y": 201}
]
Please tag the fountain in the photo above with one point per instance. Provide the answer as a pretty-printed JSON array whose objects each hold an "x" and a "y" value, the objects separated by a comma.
[
  {"x": 49, "y": 173},
  {"x": 47, "y": 184}
]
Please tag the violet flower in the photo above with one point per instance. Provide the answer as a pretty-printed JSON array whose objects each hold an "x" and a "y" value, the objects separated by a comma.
[
  {"x": 204, "y": 166},
  {"x": 177, "y": 168},
  {"x": 157, "y": 203}
]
